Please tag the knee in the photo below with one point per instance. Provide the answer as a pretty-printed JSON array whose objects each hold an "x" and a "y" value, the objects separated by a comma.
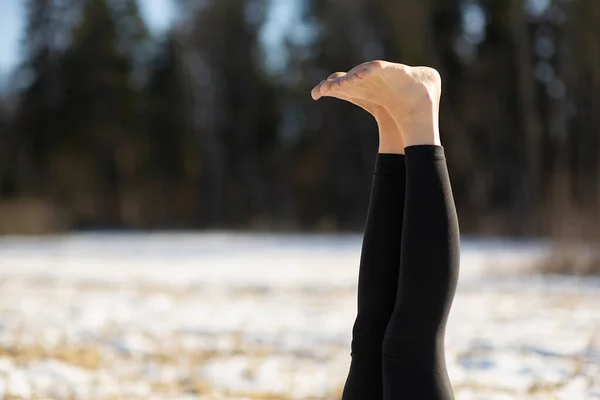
[
  {"x": 367, "y": 344},
  {"x": 413, "y": 346}
]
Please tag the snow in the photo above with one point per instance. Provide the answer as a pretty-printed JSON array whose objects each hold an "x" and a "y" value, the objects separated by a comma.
[{"x": 240, "y": 316}]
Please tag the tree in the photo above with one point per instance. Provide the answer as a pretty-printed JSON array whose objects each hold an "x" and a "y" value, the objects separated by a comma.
[
  {"x": 173, "y": 165},
  {"x": 195, "y": 131},
  {"x": 133, "y": 39},
  {"x": 6, "y": 180},
  {"x": 41, "y": 98},
  {"x": 234, "y": 108},
  {"x": 97, "y": 163}
]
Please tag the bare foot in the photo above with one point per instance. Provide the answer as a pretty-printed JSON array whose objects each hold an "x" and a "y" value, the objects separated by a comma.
[
  {"x": 390, "y": 137},
  {"x": 411, "y": 96}
]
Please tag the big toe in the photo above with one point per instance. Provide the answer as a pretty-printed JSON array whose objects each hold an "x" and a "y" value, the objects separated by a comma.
[
  {"x": 336, "y": 75},
  {"x": 364, "y": 70}
]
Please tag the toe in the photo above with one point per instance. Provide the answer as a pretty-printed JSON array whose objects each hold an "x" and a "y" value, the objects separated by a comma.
[
  {"x": 376, "y": 65},
  {"x": 338, "y": 83},
  {"x": 360, "y": 71},
  {"x": 316, "y": 91},
  {"x": 326, "y": 87},
  {"x": 336, "y": 75}
]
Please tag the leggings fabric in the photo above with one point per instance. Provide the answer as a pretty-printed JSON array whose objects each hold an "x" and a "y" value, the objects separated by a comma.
[{"x": 407, "y": 279}]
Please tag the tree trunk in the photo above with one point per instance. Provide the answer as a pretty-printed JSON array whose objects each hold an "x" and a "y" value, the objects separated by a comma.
[{"x": 530, "y": 119}]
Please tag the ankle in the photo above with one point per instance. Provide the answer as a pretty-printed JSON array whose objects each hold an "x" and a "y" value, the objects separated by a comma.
[
  {"x": 390, "y": 147},
  {"x": 390, "y": 137},
  {"x": 422, "y": 134},
  {"x": 420, "y": 129}
]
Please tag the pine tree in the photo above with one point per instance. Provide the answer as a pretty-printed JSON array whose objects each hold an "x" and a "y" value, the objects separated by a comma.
[
  {"x": 232, "y": 98},
  {"x": 6, "y": 180},
  {"x": 41, "y": 99},
  {"x": 174, "y": 162},
  {"x": 98, "y": 136},
  {"x": 134, "y": 40}
]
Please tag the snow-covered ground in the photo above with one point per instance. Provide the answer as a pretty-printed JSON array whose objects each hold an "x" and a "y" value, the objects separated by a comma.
[{"x": 234, "y": 316}]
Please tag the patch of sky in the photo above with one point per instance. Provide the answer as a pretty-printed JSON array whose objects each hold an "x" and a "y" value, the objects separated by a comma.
[
  {"x": 284, "y": 23},
  {"x": 474, "y": 21},
  {"x": 537, "y": 7}
]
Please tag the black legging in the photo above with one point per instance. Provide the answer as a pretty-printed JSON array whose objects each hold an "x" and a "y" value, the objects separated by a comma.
[{"x": 407, "y": 279}]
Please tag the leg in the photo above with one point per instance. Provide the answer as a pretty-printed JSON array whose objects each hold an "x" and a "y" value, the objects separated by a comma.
[
  {"x": 380, "y": 257},
  {"x": 378, "y": 276},
  {"x": 414, "y": 364},
  {"x": 413, "y": 348}
]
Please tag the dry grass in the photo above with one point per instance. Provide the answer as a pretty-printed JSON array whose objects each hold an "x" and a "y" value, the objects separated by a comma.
[
  {"x": 80, "y": 356},
  {"x": 96, "y": 357},
  {"x": 30, "y": 217}
]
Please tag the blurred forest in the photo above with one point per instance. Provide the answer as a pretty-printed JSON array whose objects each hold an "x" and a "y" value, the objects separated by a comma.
[{"x": 107, "y": 126}]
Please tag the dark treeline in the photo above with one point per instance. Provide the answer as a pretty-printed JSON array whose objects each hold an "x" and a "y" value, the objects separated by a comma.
[{"x": 106, "y": 126}]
